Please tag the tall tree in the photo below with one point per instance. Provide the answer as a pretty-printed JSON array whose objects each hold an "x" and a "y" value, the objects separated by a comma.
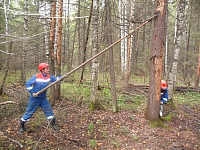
[
  {"x": 86, "y": 41},
  {"x": 109, "y": 34},
  {"x": 95, "y": 47},
  {"x": 51, "y": 49},
  {"x": 123, "y": 48},
  {"x": 129, "y": 52},
  {"x": 24, "y": 46},
  {"x": 7, "y": 69},
  {"x": 156, "y": 61},
  {"x": 59, "y": 45},
  {"x": 46, "y": 28},
  {"x": 179, "y": 26},
  {"x": 198, "y": 71}
]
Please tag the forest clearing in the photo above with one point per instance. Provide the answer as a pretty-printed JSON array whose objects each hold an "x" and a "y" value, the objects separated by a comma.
[{"x": 100, "y": 75}]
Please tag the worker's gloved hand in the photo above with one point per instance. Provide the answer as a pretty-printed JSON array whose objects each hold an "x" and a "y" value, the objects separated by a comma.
[{"x": 34, "y": 94}]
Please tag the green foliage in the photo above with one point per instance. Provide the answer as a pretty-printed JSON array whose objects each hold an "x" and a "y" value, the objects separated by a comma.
[
  {"x": 134, "y": 138},
  {"x": 116, "y": 143},
  {"x": 104, "y": 133},
  {"x": 167, "y": 118},
  {"x": 158, "y": 124},
  {"x": 73, "y": 91},
  {"x": 90, "y": 128},
  {"x": 187, "y": 98},
  {"x": 130, "y": 102},
  {"x": 92, "y": 143},
  {"x": 96, "y": 106}
]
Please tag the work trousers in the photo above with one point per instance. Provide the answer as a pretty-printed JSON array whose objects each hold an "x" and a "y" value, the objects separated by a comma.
[{"x": 33, "y": 104}]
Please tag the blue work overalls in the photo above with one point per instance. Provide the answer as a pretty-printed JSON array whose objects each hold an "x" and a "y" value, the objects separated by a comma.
[{"x": 34, "y": 85}]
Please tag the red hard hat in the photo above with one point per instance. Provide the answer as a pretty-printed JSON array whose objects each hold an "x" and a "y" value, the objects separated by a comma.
[
  {"x": 163, "y": 84},
  {"x": 42, "y": 66}
]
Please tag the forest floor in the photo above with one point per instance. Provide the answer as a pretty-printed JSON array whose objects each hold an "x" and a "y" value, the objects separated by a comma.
[{"x": 81, "y": 129}]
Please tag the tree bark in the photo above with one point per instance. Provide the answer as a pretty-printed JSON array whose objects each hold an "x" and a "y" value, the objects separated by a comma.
[
  {"x": 179, "y": 25},
  {"x": 129, "y": 49},
  {"x": 198, "y": 72},
  {"x": 24, "y": 46},
  {"x": 156, "y": 61},
  {"x": 59, "y": 44},
  {"x": 51, "y": 49},
  {"x": 123, "y": 48},
  {"x": 7, "y": 69},
  {"x": 86, "y": 41},
  {"x": 112, "y": 69},
  {"x": 94, "y": 69}
]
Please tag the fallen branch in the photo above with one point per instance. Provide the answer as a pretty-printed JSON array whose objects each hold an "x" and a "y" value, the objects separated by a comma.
[
  {"x": 8, "y": 102},
  {"x": 15, "y": 141}
]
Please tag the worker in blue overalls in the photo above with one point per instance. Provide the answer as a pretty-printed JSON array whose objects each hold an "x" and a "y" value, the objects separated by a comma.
[
  {"x": 34, "y": 85},
  {"x": 164, "y": 96}
]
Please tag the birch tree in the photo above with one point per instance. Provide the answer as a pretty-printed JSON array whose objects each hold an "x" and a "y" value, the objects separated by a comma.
[
  {"x": 123, "y": 48},
  {"x": 156, "y": 61},
  {"x": 129, "y": 49},
  {"x": 179, "y": 25},
  {"x": 94, "y": 68}
]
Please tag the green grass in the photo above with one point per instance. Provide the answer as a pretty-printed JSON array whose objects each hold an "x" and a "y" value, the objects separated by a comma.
[{"x": 187, "y": 98}]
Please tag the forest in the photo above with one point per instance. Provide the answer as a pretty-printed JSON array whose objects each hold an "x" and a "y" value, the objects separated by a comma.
[{"x": 90, "y": 74}]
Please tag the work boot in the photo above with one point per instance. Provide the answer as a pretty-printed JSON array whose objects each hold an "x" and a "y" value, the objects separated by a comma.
[
  {"x": 21, "y": 129},
  {"x": 53, "y": 124}
]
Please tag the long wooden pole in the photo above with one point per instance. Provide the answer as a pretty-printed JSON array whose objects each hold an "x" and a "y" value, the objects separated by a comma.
[{"x": 81, "y": 65}]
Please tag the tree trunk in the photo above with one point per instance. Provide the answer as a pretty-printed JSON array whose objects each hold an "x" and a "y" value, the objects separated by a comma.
[
  {"x": 46, "y": 29},
  {"x": 69, "y": 53},
  {"x": 156, "y": 61},
  {"x": 198, "y": 72},
  {"x": 123, "y": 49},
  {"x": 6, "y": 71},
  {"x": 110, "y": 41},
  {"x": 86, "y": 41},
  {"x": 59, "y": 44},
  {"x": 179, "y": 25},
  {"x": 94, "y": 69},
  {"x": 24, "y": 46},
  {"x": 51, "y": 49},
  {"x": 129, "y": 52},
  {"x": 79, "y": 32}
]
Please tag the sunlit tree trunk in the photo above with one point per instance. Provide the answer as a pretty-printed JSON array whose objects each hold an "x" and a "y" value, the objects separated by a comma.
[
  {"x": 166, "y": 52},
  {"x": 95, "y": 63},
  {"x": 179, "y": 25},
  {"x": 59, "y": 44},
  {"x": 51, "y": 49},
  {"x": 110, "y": 41},
  {"x": 156, "y": 61}
]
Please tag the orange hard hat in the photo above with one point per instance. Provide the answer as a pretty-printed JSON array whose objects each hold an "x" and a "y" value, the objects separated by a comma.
[
  {"x": 42, "y": 66},
  {"x": 163, "y": 84}
]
